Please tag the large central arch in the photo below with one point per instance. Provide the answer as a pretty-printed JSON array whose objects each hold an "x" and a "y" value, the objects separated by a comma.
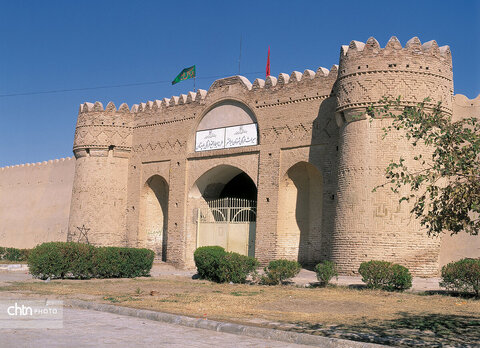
[{"x": 222, "y": 207}]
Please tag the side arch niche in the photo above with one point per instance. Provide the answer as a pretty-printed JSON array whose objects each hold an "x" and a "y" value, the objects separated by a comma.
[
  {"x": 300, "y": 214},
  {"x": 154, "y": 216},
  {"x": 222, "y": 207}
]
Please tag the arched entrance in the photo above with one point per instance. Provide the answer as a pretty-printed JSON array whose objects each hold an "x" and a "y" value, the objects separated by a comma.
[
  {"x": 223, "y": 202},
  {"x": 300, "y": 213},
  {"x": 154, "y": 216}
]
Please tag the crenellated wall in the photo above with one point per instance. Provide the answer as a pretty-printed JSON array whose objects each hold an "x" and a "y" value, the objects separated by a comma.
[
  {"x": 295, "y": 116},
  {"x": 102, "y": 147},
  {"x": 35, "y": 202},
  {"x": 373, "y": 225},
  {"x": 138, "y": 177}
]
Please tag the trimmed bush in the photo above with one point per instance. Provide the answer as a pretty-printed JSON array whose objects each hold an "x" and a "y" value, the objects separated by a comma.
[
  {"x": 325, "y": 271},
  {"x": 278, "y": 271},
  {"x": 215, "y": 264},
  {"x": 14, "y": 254},
  {"x": 115, "y": 262},
  {"x": 61, "y": 260},
  {"x": 235, "y": 268},
  {"x": 83, "y": 261},
  {"x": 207, "y": 260},
  {"x": 400, "y": 278},
  {"x": 385, "y": 275},
  {"x": 462, "y": 276}
]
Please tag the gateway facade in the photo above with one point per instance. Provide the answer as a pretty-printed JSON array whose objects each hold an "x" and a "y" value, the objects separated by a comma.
[{"x": 281, "y": 168}]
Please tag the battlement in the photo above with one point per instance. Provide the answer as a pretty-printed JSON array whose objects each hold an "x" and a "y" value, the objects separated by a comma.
[
  {"x": 368, "y": 72},
  {"x": 414, "y": 58},
  {"x": 165, "y": 110},
  {"x": 464, "y": 107},
  {"x": 413, "y": 46},
  {"x": 37, "y": 164},
  {"x": 462, "y": 100}
]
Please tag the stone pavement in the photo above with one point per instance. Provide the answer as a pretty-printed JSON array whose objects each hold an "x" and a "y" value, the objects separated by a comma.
[{"x": 87, "y": 328}]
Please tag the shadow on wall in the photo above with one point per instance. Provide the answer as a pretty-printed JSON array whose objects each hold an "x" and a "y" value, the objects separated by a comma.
[
  {"x": 154, "y": 216},
  {"x": 323, "y": 154},
  {"x": 301, "y": 212},
  {"x": 304, "y": 199}
]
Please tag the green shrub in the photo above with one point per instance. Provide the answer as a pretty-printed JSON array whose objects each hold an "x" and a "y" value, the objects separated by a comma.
[
  {"x": 116, "y": 262},
  {"x": 278, "y": 271},
  {"x": 385, "y": 275},
  {"x": 462, "y": 276},
  {"x": 235, "y": 268},
  {"x": 326, "y": 270},
  {"x": 61, "y": 260},
  {"x": 14, "y": 254},
  {"x": 82, "y": 261},
  {"x": 215, "y": 264},
  {"x": 400, "y": 278},
  {"x": 207, "y": 260}
]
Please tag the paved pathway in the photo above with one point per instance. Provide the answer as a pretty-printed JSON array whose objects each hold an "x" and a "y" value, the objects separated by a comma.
[{"x": 86, "y": 328}]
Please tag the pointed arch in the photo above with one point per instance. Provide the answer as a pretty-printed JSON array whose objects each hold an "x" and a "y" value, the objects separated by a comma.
[
  {"x": 300, "y": 213},
  {"x": 154, "y": 216}
]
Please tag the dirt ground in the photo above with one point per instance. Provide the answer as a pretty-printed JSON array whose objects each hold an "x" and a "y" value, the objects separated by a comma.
[{"x": 360, "y": 314}]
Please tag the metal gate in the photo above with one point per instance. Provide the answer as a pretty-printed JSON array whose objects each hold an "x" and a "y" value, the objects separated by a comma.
[{"x": 229, "y": 223}]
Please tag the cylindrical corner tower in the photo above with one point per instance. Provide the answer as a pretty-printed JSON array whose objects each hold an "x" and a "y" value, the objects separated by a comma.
[
  {"x": 99, "y": 200},
  {"x": 373, "y": 225}
]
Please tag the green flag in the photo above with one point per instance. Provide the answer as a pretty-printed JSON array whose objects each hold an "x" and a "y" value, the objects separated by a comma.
[{"x": 185, "y": 74}]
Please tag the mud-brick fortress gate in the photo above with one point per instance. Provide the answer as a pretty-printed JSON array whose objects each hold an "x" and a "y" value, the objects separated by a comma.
[{"x": 281, "y": 168}]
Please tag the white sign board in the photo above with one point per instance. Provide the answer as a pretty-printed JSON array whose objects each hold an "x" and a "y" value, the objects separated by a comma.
[
  {"x": 226, "y": 138},
  {"x": 210, "y": 139},
  {"x": 238, "y": 136}
]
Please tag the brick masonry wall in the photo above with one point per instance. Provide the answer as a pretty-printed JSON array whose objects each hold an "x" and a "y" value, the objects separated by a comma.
[
  {"x": 35, "y": 202},
  {"x": 373, "y": 225},
  {"x": 310, "y": 141},
  {"x": 302, "y": 118},
  {"x": 102, "y": 147}
]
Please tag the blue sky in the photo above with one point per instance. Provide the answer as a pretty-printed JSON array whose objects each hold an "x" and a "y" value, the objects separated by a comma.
[{"x": 53, "y": 45}]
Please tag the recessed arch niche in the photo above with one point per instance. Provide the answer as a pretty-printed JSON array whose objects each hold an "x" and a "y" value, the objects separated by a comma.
[
  {"x": 300, "y": 213},
  {"x": 154, "y": 216}
]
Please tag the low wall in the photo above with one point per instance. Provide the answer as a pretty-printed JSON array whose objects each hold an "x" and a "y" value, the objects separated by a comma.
[{"x": 35, "y": 202}]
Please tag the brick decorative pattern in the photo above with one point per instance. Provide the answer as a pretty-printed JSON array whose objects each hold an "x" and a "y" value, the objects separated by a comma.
[{"x": 138, "y": 180}]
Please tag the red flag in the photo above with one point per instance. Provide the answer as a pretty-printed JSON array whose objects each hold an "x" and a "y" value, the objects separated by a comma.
[{"x": 267, "y": 74}]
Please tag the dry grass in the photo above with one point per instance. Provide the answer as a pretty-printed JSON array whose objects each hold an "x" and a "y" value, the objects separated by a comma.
[
  {"x": 279, "y": 303},
  {"x": 312, "y": 310},
  {"x": 8, "y": 262}
]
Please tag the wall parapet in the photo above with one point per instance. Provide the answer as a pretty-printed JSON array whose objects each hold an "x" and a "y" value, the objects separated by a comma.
[
  {"x": 142, "y": 111},
  {"x": 38, "y": 164},
  {"x": 368, "y": 72}
]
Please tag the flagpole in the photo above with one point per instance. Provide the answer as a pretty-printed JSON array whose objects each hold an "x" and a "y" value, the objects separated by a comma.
[
  {"x": 240, "y": 55},
  {"x": 194, "y": 84}
]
